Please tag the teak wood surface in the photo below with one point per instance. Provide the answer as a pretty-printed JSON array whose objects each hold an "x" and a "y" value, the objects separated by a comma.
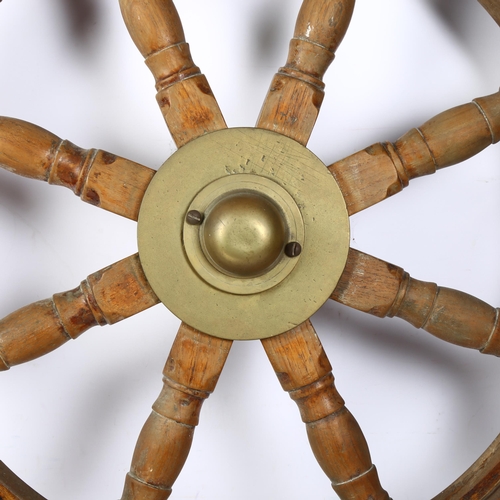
[{"x": 368, "y": 284}]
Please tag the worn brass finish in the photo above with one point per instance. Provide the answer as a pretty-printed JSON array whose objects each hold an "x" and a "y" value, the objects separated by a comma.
[
  {"x": 244, "y": 235},
  {"x": 208, "y": 278},
  {"x": 262, "y": 273}
]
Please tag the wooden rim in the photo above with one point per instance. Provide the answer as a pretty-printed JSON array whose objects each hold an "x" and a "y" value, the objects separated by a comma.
[{"x": 14, "y": 488}]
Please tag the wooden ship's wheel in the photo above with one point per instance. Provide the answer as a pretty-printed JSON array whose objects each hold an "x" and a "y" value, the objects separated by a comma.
[{"x": 244, "y": 234}]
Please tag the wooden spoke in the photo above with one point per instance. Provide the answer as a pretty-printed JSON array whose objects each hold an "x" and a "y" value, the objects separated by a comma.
[
  {"x": 336, "y": 439},
  {"x": 296, "y": 93},
  {"x": 382, "y": 289},
  {"x": 493, "y": 8},
  {"x": 384, "y": 169},
  {"x": 105, "y": 297},
  {"x": 190, "y": 376},
  {"x": 184, "y": 95},
  {"x": 13, "y": 488},
  {"x": 99, "y": 178}
]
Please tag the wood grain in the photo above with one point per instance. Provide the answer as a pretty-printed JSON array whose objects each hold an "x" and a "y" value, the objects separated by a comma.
[
  {"x": 105, "y": 297},
  {"x": 190, "y": 376},
  {"x": 303, "y": 369},
  {"x": 382, "y": 289},
  {"x": 384, "y": 169},
  {"x": 294, "y": 98},
  {"x": 99, "y": 178},
  {"x": 184, "y": 95}
]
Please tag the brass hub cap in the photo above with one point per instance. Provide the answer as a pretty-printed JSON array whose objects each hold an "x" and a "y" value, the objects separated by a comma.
[
  {"x": 247, "y": 220},
  {"x": 243, "y": 233}
]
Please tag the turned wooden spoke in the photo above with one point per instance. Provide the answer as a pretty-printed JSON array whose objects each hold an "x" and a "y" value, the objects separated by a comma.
[
  {"x": 382, "y": 289},
  {"x": 184, "y": 95},
  {"x": 189, "y": 377},
  {"x": 384, "y": 169},
  {"x": 13, "y": 488},
  {"x": 296, "y": 92},
  {"x": 98, "y": 177},
  {"x": 368, "y": 284},
  {"x": 336, "y": 439},
  {"x": 493, "y": 8},
  {"x": 105, "y": 297}
]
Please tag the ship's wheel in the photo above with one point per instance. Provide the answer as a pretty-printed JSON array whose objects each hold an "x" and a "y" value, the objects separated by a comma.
[{"x": 244, "y": 234}]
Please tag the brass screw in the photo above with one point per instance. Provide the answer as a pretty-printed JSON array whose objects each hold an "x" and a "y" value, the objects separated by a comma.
[
  {"x": 194, "y": 218},
  {"x": 293, "y": 249}
]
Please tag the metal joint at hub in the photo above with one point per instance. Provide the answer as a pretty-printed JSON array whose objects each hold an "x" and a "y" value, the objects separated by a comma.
[
  {"x": 243, "y": 233},
  {"x": 248, "y": 221}
]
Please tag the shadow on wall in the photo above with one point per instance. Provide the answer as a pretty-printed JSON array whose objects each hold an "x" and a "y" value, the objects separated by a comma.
[
  {"x": 269, "y": 31},
  {"x": 82, "y": 17},
  {"x": 473, "y": 29},
  {"x": 455, "y": 14}
]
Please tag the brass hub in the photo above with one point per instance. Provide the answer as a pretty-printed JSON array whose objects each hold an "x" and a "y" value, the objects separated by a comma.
[
  {"x": 243, "y": 233},
  {"x": 247, "y": 222}
]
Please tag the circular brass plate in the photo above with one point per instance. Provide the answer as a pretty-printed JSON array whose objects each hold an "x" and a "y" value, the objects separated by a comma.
[
  {"x": 228, "y": 154},
  {"x": 243, "y": 183}
]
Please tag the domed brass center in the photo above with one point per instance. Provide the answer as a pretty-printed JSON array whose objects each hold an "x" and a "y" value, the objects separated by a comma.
[
  {"x": 250, "y": 240},
  {"x": 244, "y": 235}
]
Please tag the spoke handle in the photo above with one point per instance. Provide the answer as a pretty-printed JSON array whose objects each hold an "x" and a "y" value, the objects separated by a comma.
[
  {"x": 153, "y": 25},
  {"x": 190, "y": 376},
  {"x": 319, "y": 30},
  {"x": 156, "y": 30},
  {"x": 382, "y": 170},
  {"x": 184, "y": 95},
  {"x": 382, "y": 289},
  {"x": 451, "y": 315},
  {"x": 296, "y": 93},
  {"x": 97, "y": 177},
  {"x": 103, "y": 298},
  {"x": 336, "y": 439},
  {"x": 450, "y": 137}
]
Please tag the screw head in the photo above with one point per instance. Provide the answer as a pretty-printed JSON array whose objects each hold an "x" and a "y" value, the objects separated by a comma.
[
  {"x": 194, "y": 218},
  {"x": 293, "y": 249}
]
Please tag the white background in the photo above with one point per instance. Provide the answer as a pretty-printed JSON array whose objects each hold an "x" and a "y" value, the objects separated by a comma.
[{"x": 69, "y": 421}]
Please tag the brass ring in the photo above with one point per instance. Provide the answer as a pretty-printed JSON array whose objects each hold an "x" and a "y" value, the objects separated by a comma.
[
  {"x": 219, "y": 164},
  {"x": 231, "y": 186}
]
